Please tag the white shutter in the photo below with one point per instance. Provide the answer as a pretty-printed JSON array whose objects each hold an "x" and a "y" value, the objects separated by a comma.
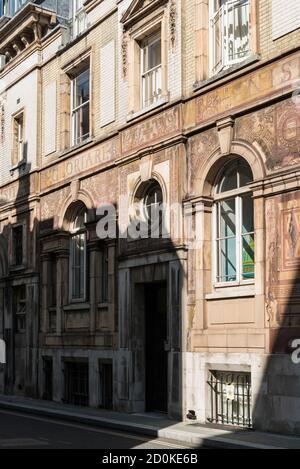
[
  {"x": 286, "y": 17},
  {"x": 107, "y": 83},
  {"x": 50, "y": 118}
]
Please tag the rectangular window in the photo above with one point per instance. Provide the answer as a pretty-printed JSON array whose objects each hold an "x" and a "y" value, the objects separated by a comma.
[
  {"x": 18, "y": 144},
  {"x": 79, "y": 17},
  {"x": 230, "y": 398},
  {"x": 17, "y": 241},
  {"x": 48, "y": 378},
  {"x": 78, "y": 267},
  {"x": 19, "y": 299},
  {"x": 229, "y": 32},
  {"x": 234, "y": 230},
  {"x": 151, "y": 69},
  {"x": 106, "y": 385},
  {"x": 77, "y": 383},
  {"x": 81, "y": 107}
]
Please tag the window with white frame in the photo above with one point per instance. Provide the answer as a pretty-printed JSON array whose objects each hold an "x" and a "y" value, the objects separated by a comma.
[
  {"x": 229, "y": 32},
  {"x": 151, "y": 69},
  {"x": 79, "y": 17},
  {"x": 233, "y": 226},
  {"x": 81, "y": 107},
  {"x": 78, "y": 264}
]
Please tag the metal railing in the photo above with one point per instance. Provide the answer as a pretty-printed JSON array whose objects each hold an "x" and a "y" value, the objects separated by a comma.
[
  {"x": 230, "y": 398},
  {"x": 151, "y": 86}
]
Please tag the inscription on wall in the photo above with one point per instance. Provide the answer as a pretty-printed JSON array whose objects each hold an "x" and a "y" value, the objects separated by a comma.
[
  {"x": 258, "y": 85},
  {"x": 78, "y": 165}
]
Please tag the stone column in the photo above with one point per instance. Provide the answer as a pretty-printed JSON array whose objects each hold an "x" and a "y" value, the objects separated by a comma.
[
  {"x": 95, "y": 277},
  {"x": 254, "y": 38},
  {"x": 46, "y": 272},
  {"x": 133, "y": 76},
  {"x": 202, "y": 39},
  {"x": 260, "y": 259},
  {"x": 62, "y": 288},
  {"x": 65, "y": 100},
  {"x": 111, "y": 286}
]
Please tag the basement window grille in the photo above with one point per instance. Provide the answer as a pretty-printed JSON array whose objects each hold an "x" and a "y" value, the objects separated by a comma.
[
  {"x": 230, "y": 398},
  {"x": 77, "y": 383}
]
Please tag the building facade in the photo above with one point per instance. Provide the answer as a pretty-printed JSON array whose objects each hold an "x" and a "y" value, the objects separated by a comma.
[{"x": 112, "y": 112}]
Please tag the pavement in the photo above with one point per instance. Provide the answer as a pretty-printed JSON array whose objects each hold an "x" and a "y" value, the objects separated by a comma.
[{"x": 153, "y": 425}]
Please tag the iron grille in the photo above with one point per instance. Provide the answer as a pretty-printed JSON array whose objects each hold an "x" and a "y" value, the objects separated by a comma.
[
  {"x": 76, "y": 383},
  {"x": 230, "y": 398}
]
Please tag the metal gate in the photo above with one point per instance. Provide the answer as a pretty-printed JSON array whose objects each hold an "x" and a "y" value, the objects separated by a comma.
[
  {"x": 77, "y": 383},
  {"x": 230, "y": 398}
]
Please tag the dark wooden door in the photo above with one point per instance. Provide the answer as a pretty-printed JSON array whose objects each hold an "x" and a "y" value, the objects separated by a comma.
[{"x": 156, "y": 356}]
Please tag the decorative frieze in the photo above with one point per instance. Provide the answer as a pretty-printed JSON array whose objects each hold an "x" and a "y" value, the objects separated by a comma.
[{"x": 151, "y": 131}]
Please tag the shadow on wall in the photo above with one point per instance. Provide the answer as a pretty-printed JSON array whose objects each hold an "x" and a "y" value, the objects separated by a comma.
[{"x": 147, "y": 364}]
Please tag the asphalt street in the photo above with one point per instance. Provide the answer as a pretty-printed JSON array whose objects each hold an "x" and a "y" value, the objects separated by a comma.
[{"x": 22, "y": 431}]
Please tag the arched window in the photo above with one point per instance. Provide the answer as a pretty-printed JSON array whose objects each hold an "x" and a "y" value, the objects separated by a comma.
[
  {"x": 149, "y": 209},
  {"x": 234, "y": 225},
  {"x": 78, "y": 257},
  {"x": 153, "y": 200}
]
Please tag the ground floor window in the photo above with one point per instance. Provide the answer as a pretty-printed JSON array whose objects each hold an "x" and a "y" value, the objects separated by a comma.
[
  {"x": 77, "y": 383},
  {"x": 106, "y": 384},
  {"x": 230, "y": 398},
  {"x": 48, "y": 378}
]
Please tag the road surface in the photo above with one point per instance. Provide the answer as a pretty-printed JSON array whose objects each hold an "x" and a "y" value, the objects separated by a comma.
[{"x": 21, "y": 431}]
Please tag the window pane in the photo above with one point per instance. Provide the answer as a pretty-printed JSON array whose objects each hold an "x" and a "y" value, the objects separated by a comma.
[
  {"x": 229, "y": 181},
  {"x": 227, "y": 260},
  {"x": 154, "y": 56},
  {"x": 81, "y": 89},
  {"x": 78, "y": 265},
  {"x": 82, "y": 124},
  {"x": 248, "y": 257},
  {"x": 227, "y": 218},
  {"x": 245, "y": 175},
  {"x": 247, "y": 214}
]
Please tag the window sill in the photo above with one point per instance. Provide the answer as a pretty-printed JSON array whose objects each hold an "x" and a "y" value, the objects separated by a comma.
[
  {"x": 76, "y": 148},
  {"x": 103, "y": 305},
  {"x": 227, "y": 72},
  {"x": 77, "y": 307},
  {"x": 135, "y": 115},
  {"x": 17, "y": 268},
  {"x": 241, "y": 291}
]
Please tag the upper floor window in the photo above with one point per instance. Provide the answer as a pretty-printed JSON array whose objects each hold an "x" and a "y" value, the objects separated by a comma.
[
  {"x": 81, "y": 107},
  {"x": 18, "y": 136},
  {"x": 234, "y": 225},
  {"x": 229, "y": 32},
  {"x": 10, "y": 7},
  {"x": 79, "y": 17},
  {"x": 151, "y": 70},
  {"x": 17, "y": 244},
  {"x": 149, "y": 210},
  {"x": 19, "y": 300},
  {"x": 78, "y": 257}
]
